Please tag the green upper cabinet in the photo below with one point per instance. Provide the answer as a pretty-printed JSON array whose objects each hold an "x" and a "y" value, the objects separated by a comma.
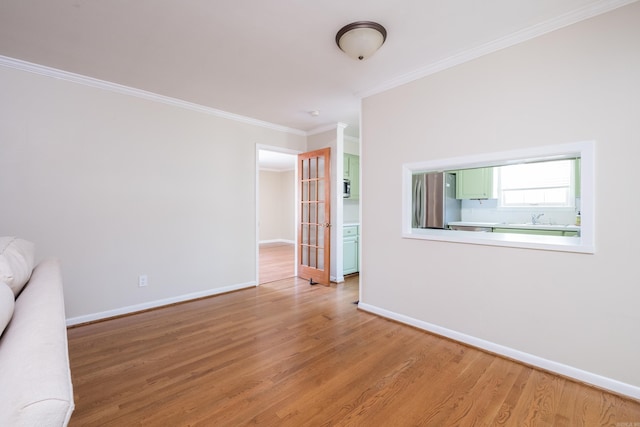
[
  {"x": 352, "y": 173},
  {"x": 474, "y": 183}
]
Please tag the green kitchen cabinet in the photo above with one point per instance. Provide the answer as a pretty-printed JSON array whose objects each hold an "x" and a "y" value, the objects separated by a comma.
[
  {"x": 352, "y": 173},
  {"x": 350, "y": 257},
  {"x": 528, "y": 231},
  {"x": 538, "y": 232},
  {"x": 474, "y": 183}
]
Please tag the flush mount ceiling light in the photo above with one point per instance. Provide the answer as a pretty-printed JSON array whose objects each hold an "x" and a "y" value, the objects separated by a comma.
[{"x": 361, "y": 39}]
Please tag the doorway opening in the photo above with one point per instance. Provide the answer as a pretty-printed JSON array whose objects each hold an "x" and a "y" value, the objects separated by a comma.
[{"x": 276, "y": 214}]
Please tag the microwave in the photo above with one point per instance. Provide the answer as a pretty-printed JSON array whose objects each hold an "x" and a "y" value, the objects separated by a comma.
[{"x": 346, "y": 188}]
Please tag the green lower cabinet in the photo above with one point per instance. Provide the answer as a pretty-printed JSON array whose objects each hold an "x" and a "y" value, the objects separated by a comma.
[
  {"x": 538, "y": 232},
  {"x": 350, "y": 257}
]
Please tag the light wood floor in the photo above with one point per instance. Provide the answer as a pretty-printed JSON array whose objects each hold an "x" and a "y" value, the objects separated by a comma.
[
  {"x": 276, "y": 261},
  {"x": 290, "y": 354}
]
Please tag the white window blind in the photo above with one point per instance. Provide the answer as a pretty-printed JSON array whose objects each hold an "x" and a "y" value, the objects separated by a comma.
[{"x": 537, "y": 184}]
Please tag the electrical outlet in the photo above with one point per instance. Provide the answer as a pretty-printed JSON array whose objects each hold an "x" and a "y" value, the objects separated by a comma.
[{"x": 143, "y": 280}]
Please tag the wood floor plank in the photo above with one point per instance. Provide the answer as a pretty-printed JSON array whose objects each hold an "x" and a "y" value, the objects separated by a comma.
[
  {"x": 276, "y": 261},
  {"x": 537, "y": 404},
  {"x": 290, "y": 354},
  {"x": 482, "y": 401}
]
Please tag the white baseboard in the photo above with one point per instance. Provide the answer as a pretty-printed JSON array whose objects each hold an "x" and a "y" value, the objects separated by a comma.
[
  {"x": 529, "y": 359},
  {"x": 291, "y": 242},
  {"x": 154, "y": 304}
]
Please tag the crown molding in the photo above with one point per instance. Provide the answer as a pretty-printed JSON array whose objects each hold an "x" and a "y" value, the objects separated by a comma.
[
  {"x": 327, "y": 128},
  {"x": 138, "y": 93},
  {"x": 529, "y": 33}
]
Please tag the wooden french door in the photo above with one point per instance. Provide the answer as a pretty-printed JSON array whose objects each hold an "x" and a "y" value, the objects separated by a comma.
[{"x": 314, "y": 184}]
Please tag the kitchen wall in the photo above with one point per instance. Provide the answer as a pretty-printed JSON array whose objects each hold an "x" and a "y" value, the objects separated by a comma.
[
  {"x": 487, "y": 211},
  {"x": 277, "y": 206},
  {"x": 575, "y": 312},
  {"x": 117, "y": 186},
  {"x": 351, "y": 211}
]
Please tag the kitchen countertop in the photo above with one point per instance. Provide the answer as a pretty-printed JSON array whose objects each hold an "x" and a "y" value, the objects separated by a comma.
[{"x": 567, "y": 227}]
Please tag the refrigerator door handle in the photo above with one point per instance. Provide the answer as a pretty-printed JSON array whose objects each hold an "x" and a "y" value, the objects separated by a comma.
[{"x": 418, "y": 194}]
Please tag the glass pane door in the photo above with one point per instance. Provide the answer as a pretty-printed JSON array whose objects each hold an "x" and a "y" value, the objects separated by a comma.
[{"x": 313, "y": 236}]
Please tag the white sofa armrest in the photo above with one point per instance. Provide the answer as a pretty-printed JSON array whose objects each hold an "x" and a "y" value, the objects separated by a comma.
[{"x": 35, "y": 378}]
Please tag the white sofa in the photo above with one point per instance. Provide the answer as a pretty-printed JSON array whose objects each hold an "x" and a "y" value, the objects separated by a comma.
[{"x": 35, "y": 378}]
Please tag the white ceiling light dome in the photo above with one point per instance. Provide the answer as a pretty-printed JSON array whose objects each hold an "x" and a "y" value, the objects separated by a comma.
[{"x": 361, "y": 39}]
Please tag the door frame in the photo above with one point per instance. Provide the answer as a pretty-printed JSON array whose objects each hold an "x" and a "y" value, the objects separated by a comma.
[{"x": 261, "y": 147}]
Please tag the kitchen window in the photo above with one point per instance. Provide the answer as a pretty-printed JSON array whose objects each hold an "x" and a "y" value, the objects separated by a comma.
[{"x": 540, "y": 185}]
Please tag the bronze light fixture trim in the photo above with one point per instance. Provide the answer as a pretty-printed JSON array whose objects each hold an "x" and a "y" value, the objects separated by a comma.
[{"x": 361, "y": 39}]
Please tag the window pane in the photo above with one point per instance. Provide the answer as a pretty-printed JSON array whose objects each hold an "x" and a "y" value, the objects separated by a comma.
[
  {"x": 537, "y": 175},
  {"x": 549, "y": 197},
  {"x": 321, "y": 208},
  {"x": 313, "y": 193},
  {"x": 537, "y": 184},
  {"x": 321, "y": 190},
  {"x": 320, "y": 243},
  {"x": 313, "y": 233},
  {"x": 314, "y": 167},
  {"x": 312, "y": 257},
  {"x": 313, "y": 207}
]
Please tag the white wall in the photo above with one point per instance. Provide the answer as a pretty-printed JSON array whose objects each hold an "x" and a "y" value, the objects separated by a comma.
[
  {"x": 277, "y": 206},
  {"x": 118, "y": 186},
  {"x": 577, "y": 310}
]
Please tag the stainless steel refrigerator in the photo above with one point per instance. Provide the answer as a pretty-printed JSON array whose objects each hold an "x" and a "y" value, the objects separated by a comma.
[{"x": 434, "y": 203}]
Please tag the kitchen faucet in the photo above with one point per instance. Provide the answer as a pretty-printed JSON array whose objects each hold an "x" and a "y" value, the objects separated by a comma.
[{"x": 535, "y": 218}]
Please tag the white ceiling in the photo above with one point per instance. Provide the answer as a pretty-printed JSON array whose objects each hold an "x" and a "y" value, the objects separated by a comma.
[{"x": 273, "y": 61}]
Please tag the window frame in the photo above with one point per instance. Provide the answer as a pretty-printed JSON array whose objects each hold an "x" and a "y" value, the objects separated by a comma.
[
  {"x": 585, "y": 243},
  {"x": 569, "y": 206}
]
